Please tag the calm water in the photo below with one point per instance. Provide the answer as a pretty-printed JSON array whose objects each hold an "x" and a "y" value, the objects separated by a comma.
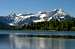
[{"x": 23, "y": 42}]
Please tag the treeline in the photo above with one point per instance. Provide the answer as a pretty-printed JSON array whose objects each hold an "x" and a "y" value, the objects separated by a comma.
[
  {"x": 53, "y": 25},
  {"x": 56, "y": 25}
]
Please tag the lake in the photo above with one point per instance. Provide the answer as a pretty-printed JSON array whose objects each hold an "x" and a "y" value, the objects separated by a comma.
[{"x": 19, "y": 40}]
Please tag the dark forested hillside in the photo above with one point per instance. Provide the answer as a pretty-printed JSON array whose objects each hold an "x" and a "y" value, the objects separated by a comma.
[
  {"x": 65, "y": 25},
  {"x": 56, "y": 25}
]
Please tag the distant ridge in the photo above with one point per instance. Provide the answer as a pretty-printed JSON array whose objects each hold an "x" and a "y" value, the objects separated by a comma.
[
  {"x": 56, "y": 14},
  {"x": 29, "y": 18}
]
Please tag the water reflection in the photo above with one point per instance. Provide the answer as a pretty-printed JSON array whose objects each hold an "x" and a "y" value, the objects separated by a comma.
[
  {"x": 4, "y": 42},
  {"x": 23, "y": 42},
  {"x": 43, "y": 43}
]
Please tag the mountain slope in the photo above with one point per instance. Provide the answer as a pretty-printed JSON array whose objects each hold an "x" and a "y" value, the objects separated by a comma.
[{"x": 27, "y": 19}]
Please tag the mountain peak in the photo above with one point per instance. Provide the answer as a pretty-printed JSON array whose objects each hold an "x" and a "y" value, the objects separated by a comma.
[{"x": 57, "y": 14}]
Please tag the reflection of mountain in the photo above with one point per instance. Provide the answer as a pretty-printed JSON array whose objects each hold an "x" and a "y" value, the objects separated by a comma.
[
  {"x": 29, "y": 43},
  {"x": 22, "y": 19}
]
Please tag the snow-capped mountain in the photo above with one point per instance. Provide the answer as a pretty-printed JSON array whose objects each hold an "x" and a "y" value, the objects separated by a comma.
[{"x": 22, "y": 19}]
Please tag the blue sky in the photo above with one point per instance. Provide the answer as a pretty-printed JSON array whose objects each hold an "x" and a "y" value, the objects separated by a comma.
[{"x": 6, "y": 6}]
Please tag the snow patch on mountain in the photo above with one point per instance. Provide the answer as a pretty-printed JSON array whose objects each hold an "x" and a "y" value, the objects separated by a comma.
[{"x": 20, "y": 19}]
